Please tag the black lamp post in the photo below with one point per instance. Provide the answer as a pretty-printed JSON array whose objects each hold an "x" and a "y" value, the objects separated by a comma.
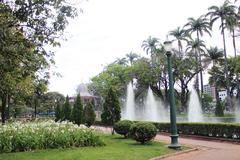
[{"x": 174, "y": 136}]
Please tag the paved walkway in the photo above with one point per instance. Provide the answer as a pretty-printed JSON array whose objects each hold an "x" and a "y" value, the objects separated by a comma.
[{"x": 207, "y": 150}]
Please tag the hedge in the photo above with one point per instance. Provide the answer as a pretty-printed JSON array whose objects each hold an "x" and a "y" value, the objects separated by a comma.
[
  {"x": 209, "y": 129},
  {"x": 220, "y": 130}
]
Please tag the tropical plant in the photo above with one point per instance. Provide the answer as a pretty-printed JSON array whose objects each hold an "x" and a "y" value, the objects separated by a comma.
[
  {"x": 215, "y": 55},
  {"x": 223, "y": 12},
  {"x": 180, "y": 35},
  {"x": 199, "y": 26},
  {"x": 150, "y": 45},
  {"x": 131, "y": 57}
]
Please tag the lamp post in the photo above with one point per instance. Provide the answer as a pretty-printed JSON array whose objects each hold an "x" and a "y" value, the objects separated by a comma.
[{"x": 174, "y": 136}]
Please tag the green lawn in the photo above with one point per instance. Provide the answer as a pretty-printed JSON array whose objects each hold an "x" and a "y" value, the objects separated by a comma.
[{"x": 116, "y": 148}]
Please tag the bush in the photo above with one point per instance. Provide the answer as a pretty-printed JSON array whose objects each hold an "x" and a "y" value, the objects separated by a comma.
[
  {"x": 123, "y": 127},
  {"x": 143, "y": 131},
  {"x": 30, "y": 136},
  {"x": 219, "y": 109}
]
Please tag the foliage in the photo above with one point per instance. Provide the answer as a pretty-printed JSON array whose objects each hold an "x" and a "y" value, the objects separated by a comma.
[
  {"x": 207, "y": 103},
  {"x": 58, "y": 112},
  {"x": 116, "y": 149},
  {"x": 67, "y": 110},
  {"x": 115, "y": 76},
  {"x": 222, "y": 130},
  {"x": 111, "y": 108},
  {"x": 219, "y": 110},
  {"x": 143, "y": 131},
  {"x": 123, "y": 127},
  {"x": 77, "y": 111},
  {"x": 89, "y": 115},
  {"x": 42, "y": 135}
]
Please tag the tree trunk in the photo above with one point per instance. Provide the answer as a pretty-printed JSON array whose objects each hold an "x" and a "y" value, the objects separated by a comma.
[
  {"x": 35, "y": 106},
  {"x": 229, "y": 103},
  {"x": 183, "y": 93},
  {"x": 8, "y": 107},
  {"x": 234, "y": 43},
  {"x": 4, "y": 104}
]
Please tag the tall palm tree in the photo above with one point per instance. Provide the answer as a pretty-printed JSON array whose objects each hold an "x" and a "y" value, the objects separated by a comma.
[
  {"x": 131, "y": 57},
  {"x": 223, "y": 12},
  {"x": 199, "y": 26},
  {"x": 231, "y": 24},
  {"x": 214, "y": 55},
  {"x": 150, "y": 45},
  {"x": 179, "y": 34},
  {"x": 196, "y": 47}
]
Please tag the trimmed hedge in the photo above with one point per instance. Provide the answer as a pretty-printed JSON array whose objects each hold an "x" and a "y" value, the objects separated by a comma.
[
  {"x": 220, "y": 130},
  {"x": 209, "y": 129},
  {"x": 143, "y": 131},
  {"x": 123, "y": 127}
]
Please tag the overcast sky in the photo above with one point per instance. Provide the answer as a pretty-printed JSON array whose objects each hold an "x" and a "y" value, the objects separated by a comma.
[{"x": 110, "y": 29}]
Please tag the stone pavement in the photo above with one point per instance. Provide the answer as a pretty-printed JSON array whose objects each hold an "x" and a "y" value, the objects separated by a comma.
[{"x": 206, "y": 150}]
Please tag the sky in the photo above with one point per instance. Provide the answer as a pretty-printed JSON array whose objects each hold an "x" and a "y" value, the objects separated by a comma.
[{"x": 110, "y": 29}]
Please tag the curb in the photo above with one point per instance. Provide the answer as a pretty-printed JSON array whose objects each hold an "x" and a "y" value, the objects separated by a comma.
[
  {"x": 174, "y": 154},
  {"x": 206, "y": 138}
]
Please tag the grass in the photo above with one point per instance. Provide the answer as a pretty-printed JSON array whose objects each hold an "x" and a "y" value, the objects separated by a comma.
[{"x": 116, "y": 148}]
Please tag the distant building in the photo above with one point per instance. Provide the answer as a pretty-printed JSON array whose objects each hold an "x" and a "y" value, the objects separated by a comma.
[
  {"x": 222, "y": 95},
  {"x": 210, "y": 90}
]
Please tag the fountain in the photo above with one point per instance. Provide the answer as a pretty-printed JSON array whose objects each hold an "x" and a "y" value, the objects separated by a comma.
[
  {"x": 129, "y": 110},
  {"x": 154, "y": 110},
  {"x": 237, "y": 111},
  {"x": 194, "y": 108}
]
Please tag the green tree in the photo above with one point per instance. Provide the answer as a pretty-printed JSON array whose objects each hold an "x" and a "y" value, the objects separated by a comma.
[
  {"x": 89, "y": 115},
  {"x": 179, "y": 35},
  {"x": 58, "y": 112},
  {"x": 111, "y": 109},
  {"x": 67, "y": 110},
  {"x": 150, "y": 45},
  {"x": 215, "y": 55},
  {"x": 77, "y": 111},
  {"x": 223, "y": 12},
  {"x": 199, "y": 26},
  {"x": 132, "y": 57},
  {"x": 196, "y": 47}
]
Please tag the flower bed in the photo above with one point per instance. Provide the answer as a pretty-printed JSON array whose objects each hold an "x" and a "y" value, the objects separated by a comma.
[{"x": 42, "y": 135}]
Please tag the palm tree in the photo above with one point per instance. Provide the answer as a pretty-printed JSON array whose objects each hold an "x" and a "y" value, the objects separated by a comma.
[
  {"x": 231, "y": 24},
  {"x": 215, "y": 55},
  {"x": 223, "y": 12},
  {"x": 200, "y": 26},
  {"x": 121, "y": 61},
  {"x": 179, "y": 34},
  {"x": 196, "y": 47},
  {"x": 131, "y": 57},
  {"x": 150, "y": 45}
]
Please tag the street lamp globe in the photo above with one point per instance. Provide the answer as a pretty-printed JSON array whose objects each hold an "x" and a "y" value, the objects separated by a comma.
[{"x": 168, "y": 46}]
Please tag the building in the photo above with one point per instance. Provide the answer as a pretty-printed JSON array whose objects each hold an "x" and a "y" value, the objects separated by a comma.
[{"x": 210, "y": 90}]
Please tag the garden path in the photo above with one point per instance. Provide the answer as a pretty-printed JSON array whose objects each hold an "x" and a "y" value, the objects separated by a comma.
[{"x": 206, "y": 149}]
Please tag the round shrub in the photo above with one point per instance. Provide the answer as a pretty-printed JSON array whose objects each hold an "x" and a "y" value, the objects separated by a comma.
[
  {"x": 143, "y": 131},
  {"x": 123, "y": 127}
]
